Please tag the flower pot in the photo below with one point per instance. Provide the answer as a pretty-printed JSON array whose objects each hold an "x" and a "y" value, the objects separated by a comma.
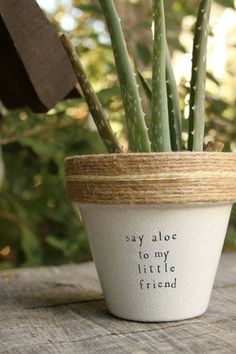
[{"x": 156, "y": 225}]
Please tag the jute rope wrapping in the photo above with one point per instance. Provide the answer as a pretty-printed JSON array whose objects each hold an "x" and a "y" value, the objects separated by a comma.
[{"x": 156, "y": 178}]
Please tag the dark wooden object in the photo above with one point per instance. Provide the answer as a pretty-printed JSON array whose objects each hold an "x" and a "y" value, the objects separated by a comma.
[
  {"x": 60, "y": 310},
  {"x": 34, "y": 68}
]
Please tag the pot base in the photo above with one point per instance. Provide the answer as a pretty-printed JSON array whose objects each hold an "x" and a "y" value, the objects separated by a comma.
[{"x": 163, "y": 319}]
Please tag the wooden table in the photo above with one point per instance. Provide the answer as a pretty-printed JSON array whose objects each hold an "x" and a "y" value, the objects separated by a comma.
[{"x": 61, "y": 310}]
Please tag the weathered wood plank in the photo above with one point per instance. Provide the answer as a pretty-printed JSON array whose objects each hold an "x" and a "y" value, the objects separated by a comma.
[{"x": 60, "y": 310}]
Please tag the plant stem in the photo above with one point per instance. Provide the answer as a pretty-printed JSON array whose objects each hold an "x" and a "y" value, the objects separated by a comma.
[
  {"x": 197, "y": 87},
  {"x": 100, "y": 118},
  {"x": 160, "y": 119},
  {"x": 136, "y": 125}
]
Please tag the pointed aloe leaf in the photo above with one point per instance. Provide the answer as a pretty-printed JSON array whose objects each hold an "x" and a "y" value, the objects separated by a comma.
[
  {"x": 197, "y": 87},
  {"x": 160, "y": 119},
  {"x": 173, "y": 105},
  {"x": 146, "y": 87},
  {"x": 136, "y": 125},
  {"x": 99, "y": 116}
]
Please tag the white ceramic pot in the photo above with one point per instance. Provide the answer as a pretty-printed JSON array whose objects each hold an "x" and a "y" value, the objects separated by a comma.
[{"x": 156, "y": 262}]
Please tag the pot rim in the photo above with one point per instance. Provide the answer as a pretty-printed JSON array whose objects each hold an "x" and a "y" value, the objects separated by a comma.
[
  {"x": 164, "y": 153},
  {"x": 152, "y": 178}
]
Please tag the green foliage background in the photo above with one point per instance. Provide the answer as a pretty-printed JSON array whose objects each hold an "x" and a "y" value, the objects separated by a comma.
[{"x": 38, "y": 226}]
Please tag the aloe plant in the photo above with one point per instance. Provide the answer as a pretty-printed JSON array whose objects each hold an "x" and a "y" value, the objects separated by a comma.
[
  {"x": 160, "y": 118},
  {"x": 100, "y": 118},
  {"x": 173, "y": 106},
  {"x": 165, "y": 133},
  {"x": 146, "y": 86},
  {"x": 197, "y": 91},
  {"x": 173, "y": 103},
  {"x": 137, "y": 129}
]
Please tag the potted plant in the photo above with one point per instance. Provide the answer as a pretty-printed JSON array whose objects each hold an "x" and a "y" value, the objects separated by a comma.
[{"x": 156, "y": 217}]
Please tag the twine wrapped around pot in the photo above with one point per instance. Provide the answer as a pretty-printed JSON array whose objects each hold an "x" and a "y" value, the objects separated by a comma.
[{"x": 152, "y": 178}]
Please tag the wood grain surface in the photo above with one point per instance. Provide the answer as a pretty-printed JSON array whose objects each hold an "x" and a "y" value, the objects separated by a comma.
[{"x": 60, "y": 310}]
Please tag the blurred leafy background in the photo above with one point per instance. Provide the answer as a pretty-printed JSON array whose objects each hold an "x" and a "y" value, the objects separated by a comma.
[{"x": 38, "y": 226}]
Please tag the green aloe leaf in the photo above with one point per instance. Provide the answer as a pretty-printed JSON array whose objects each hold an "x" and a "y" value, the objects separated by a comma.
[
  {"x": 135, "y": 119},
  {"x": 100, "y": 118},
  {"x": 197, "y": 87},
  {"x": 160, "y": 118}
]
